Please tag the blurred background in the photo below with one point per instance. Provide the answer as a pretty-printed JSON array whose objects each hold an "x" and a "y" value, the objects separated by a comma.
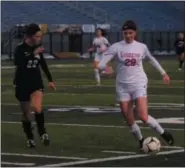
[{"x": 69, "y": 26}]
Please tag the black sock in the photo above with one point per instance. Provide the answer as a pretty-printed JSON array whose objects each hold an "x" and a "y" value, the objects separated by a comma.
[
  {"x": 180, "y": 64},
  {"x": 39, "y": 118},
  {"x": 27, "y": 128}
]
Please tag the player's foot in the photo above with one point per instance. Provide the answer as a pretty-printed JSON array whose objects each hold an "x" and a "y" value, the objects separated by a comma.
[
  {"x": 168, "y": 137},
  {"x": 179, "y": 69},
  {"x": 141, "y": 145},
  {"x": 45, "y": 139},
  {"x": 31, "y": 143}
]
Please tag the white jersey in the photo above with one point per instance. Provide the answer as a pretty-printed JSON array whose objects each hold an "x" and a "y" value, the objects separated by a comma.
[
  {"x": 128, "y": 59},
  {"x": 100, "y": 43}
]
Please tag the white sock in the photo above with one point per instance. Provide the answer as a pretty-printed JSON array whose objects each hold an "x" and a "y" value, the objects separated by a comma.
[
  {"x": 154, "y": 125},
  {"x": 135, "y": 130},
  {"x": 97, "y": 75}
]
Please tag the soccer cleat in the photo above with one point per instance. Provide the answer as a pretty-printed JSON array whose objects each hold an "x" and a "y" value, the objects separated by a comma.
[
  {"x": 45, "y": 139},
  {"x": 167, "y": 136},
  {"x": 31, "y": 143},
  {"x": 179, "y": 69},
  {"x": 141, "y": 145}
]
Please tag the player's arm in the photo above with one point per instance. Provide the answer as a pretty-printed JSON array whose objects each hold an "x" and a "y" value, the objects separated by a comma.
[
  {"x": 45, "y": 69},
  {"x": 106, "y": 43},
  {"x": 108, "y": 56},
  {"x": 156, "y": 64}
]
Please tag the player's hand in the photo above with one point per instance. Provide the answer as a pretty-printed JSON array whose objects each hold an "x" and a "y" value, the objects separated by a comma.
[
  {"x": 103, "y": 50},
  {"x": 166, "y": 79},
  {"x": 52, "y": 85},
  {"x": 90, "y": 49},
  {"x": 38, "y": 50}
]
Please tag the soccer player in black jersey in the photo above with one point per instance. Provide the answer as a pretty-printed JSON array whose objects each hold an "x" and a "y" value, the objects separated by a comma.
[
  {"x": 180, "y": 47},
  {"x": 28, "y": 59}
]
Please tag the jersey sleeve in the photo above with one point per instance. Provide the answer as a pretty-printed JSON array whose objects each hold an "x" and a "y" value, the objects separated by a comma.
[
  {"x": 107, "y": 57},
  {"x": 153, "y": 61},
  {"x": 45, "y": 68},
  {"x": 106, "y": 42},
  {"x": 19, "y": 58}
]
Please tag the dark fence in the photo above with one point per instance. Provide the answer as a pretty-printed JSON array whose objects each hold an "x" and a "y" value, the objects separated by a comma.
[{"x": 55, "y": 42}]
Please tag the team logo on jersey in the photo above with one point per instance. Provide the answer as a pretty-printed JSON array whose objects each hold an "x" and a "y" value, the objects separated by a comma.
[{"x": 27, "y": 54}]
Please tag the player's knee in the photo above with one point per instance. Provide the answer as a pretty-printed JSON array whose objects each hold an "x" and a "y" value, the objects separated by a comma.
[
  {"x": 37, "y": 109},
  {"x": 143, "y": 118},
  {"x": 26, "y": 117},
  {"x": 95, "y": 65}
]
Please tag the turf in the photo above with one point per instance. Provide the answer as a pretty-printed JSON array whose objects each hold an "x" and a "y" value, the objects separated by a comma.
[{"x": 75, "y": 133}]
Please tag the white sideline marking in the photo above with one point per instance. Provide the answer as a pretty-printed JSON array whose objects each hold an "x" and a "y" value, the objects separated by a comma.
[
  {"x": 172, "y": 147},
  {"x": 119, "y": 152},
  {"x": 88, "y": 125},
  {"x": 110, "y": 159},
  {"x": 18, "y": 164},
  {"x": 92, "y": 94},
  {"x": 42, "y": 156},
  {"x": 131, "y": 153},
  {"x": 78, "y": 106}
]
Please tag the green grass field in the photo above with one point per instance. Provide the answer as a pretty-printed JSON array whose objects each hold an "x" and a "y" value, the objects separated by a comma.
[{"x": 84, "y": 128}]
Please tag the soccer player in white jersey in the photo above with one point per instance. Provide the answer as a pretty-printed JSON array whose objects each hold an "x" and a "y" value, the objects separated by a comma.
[
  {"x": 131, "y": 81},
  {"x": 100, "y": 45}
]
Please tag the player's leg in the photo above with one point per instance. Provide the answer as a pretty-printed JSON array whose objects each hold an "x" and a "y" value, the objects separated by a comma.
[
  {"x": 140, "y": 96},
  {"x": 126, "y": 105},
  {"x": 181, "y": 60},
  {"x": 23, "y": 98},
  {"x": 96, "y": 70},
  {"x": 36, "y": 102}
]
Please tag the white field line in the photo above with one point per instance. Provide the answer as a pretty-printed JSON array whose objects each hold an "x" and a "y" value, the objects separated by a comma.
[
  {"x": 131, "y": 153},
  {"x": 17, "y": 164},
  {"x": 88, "y": 125},
  {"x": 92, "y": 94},
  {"x": 79, "y": 106},
  {"x": 42, "y": 156},
  {"x": 172, "y": 147},
  {"x": 119, "y": 152},
  {"x": 78, "y": 86},
  {"x": 110, "y": 159},
  {"x": 54, "y": 66}
]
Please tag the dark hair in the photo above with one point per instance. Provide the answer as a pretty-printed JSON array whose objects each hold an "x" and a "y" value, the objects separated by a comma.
[
  {"x": 129, "y": 24},
  {"x": 32, "y": 29},
  {"x": 102, "y": 31}
]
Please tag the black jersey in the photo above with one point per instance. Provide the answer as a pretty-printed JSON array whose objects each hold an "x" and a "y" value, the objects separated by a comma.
[
  {"x": 179, "y": 46},
  {"x": 28, "y": 65}
]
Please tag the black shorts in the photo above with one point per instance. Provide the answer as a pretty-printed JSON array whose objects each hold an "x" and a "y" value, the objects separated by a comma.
[{"x": 23, "y": 93}]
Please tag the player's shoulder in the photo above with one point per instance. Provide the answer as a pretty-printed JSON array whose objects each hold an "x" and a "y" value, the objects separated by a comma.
[
  {"x": 104, "y": 38},
  {"x": 95, "y": 40},
  {"x": 117, "y": 44},
  {"x": 141, "y": 44},
  {"x": 19, "y": 46}
]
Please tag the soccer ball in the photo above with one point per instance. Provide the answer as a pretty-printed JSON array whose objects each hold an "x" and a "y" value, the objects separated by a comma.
[{"x": 151, "y": 145}]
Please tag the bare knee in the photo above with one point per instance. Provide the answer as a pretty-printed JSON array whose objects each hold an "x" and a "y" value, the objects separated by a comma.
[
  {"x": 143, "y": 116},
  {"x": 37, "y": 109}
]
